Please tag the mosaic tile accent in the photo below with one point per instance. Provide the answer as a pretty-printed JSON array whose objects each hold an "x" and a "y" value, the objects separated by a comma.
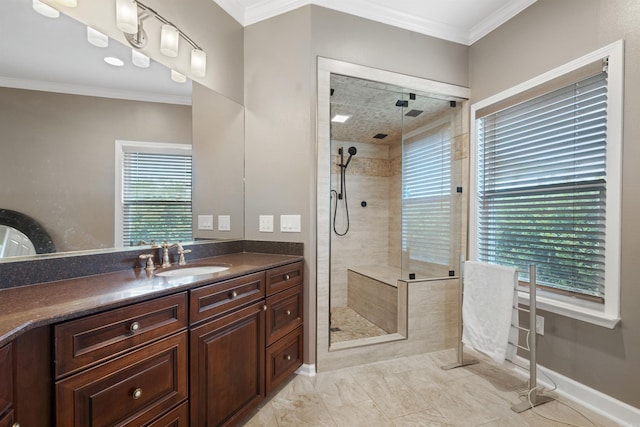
[{"x": 351, "y": 326}]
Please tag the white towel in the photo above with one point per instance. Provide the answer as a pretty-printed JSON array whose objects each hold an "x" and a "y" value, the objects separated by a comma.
[{"x": 488, "y": 311}]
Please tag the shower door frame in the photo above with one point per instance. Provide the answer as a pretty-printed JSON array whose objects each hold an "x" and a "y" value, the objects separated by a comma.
[{"x": 326, "y": 358}]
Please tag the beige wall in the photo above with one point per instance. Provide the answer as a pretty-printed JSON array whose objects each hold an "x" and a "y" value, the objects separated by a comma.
[
  {"x": 280, "y": 102},
  {"x": 58, "y": 158},
  {"x": 546, "y": 35}
]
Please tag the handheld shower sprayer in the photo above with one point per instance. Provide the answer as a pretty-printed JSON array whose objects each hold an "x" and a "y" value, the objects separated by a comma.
[
  {"x": 342, "y": 195},
  {"x": 352, "y": 152}
]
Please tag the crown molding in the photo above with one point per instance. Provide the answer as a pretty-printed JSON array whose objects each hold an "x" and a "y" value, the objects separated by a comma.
[
  {"x": 92, "y": 91},
  {"x": 267, "y": 9},
  {"x": 497, "y": 18}
]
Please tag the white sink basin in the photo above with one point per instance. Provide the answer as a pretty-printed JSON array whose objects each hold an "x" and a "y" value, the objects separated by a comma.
[{"x": 192, "y": 271}]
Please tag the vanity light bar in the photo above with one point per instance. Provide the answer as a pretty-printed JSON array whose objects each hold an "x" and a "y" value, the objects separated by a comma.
[{"x": 129, "y": 19}]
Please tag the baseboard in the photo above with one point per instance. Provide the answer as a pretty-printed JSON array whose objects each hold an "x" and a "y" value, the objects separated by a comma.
[
  {"x": 308, "y": 370},
  {"x": 605, "y": 405}
]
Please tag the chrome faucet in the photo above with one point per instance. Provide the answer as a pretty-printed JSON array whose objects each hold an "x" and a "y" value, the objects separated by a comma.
[
  {"x": 181, "y": 252},
  {"x": 149, "y": 265},
  {"x": 165, "y": 253},
  {"x": 166, "y": 262}
]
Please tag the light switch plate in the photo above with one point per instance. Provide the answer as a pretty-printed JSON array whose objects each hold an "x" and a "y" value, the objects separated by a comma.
[
  {"x": 266, "y": 223},
  {"x": 290, "y": 224},
  {"x": 224, "y": 223},
  {"x": 205, "y": 222}
]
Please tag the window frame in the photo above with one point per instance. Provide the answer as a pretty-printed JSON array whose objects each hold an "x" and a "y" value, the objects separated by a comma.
[
  {"x": 605, "y": 314},
  {"x": 151, "y": 147}
]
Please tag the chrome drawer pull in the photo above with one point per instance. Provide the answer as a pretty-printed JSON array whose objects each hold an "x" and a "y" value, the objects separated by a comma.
[
  {"x": 288, "y": 312},
  {"x": 137, "y": 393},
  {"x": 233, "y": 294},
  {"x": 287, "y": 357},
  {"x": 135, "y": 327},
  {"x": 287, "y": 277}
]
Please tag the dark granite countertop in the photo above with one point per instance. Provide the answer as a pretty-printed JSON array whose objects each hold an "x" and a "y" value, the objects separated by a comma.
[{"x": 27, "y": 307}]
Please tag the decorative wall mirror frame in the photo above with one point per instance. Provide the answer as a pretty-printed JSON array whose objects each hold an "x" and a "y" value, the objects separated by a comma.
[{"x": 28, "y": 226}]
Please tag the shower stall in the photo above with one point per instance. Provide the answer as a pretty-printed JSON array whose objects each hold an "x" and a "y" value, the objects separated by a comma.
[{"x": 393, "y": 213}]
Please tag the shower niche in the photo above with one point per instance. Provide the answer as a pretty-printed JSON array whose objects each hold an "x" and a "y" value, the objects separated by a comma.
[{"x": 390, "y": 174}]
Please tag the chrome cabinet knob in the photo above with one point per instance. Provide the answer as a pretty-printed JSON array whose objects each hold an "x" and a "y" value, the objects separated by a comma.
[
  {"x": 287, "y": 277},
  {"x": 16, "y": 424},
  {"x": 287, "y": 357},
  {"x": 288, "y": 312},
  {"x": 264, "y": 307},
  {"x": 134, "y": 327},
  {"x": 137, "y": 393},
  {"x": 234, "y": 294}
]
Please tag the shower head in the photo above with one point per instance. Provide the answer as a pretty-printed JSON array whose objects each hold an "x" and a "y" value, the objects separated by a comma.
[{"x": 352, "y": 152}]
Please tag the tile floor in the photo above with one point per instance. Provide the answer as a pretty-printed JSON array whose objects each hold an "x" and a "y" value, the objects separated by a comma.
[
  {"x": 347, "y": 325},
  {"x": 413, "y": 391}
]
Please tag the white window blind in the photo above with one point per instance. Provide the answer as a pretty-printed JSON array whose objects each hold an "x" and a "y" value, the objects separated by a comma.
[
  {"x": 426, "y": 202},
  {"x": 156, "y": 197},
  {"x": 542, "y": 186}
]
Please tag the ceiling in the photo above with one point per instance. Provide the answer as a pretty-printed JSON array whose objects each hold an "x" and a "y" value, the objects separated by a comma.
[
  {"x": 460, "y": 21},
  {"x": 377, "y": 109}
]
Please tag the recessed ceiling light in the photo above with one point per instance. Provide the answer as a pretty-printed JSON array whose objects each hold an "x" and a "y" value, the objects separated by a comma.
[
  {"x": 45, "y": 9},
  {"x": 177, "y": 77},
  {"x": 97, "y": 38},
  {"x": 116, "y": 62},
  {"x": 340, "y": 118}
]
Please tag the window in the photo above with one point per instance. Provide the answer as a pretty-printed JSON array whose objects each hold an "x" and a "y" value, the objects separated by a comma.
[
  {"x": 426, "y": 202},
  {"x": 547, "y": 164},
  {"x": 154, "y": 187}
]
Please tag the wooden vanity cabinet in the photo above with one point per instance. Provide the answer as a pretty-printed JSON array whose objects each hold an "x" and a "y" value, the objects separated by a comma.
[{"x": 227, "y": 352}]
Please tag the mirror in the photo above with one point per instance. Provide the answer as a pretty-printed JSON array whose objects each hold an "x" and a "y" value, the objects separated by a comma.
[{"x": 60, "y": 124}]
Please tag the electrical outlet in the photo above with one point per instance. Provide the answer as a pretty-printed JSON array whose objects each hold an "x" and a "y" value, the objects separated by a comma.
[{"x": 539, "y": 325}]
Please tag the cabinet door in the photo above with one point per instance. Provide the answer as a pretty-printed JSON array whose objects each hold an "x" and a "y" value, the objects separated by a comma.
[
  {"x": 227, "y": 367},
  {"x": 6, "y": 378}
]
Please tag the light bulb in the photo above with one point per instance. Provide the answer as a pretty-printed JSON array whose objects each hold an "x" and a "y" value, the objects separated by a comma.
[
  {"x": 97, "y": 38},
  {"x": 127, "y": 16},
  {"x": 198, "y": 63},
  {"x": 140, "y": 59},
  {"x": 45, "y": 9},
  {"x": 177, "y": 77},
  {"x": 169, "y": 41}
]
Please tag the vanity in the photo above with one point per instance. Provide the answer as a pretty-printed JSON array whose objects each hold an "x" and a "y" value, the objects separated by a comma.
[{"x": 133, "y": 348}]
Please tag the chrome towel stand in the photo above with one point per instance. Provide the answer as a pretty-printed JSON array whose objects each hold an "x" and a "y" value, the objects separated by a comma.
[{"x": 533, "y": 397}]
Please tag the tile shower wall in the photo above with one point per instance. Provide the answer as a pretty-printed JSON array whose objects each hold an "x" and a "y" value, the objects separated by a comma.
[{"x": 367, "y": 242}]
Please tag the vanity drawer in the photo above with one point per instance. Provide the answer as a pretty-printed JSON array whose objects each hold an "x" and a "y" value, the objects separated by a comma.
[
  {"x": 126, "y": 391},
  {"x": 90, "y": 340},
  {"x": 284, "y": 313},
  {"x": 218, "y": 298},
  {"x": 283, "y": 358},
  {"x": 178, "y": 417},
  {"x": 281, "y": 278}
]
